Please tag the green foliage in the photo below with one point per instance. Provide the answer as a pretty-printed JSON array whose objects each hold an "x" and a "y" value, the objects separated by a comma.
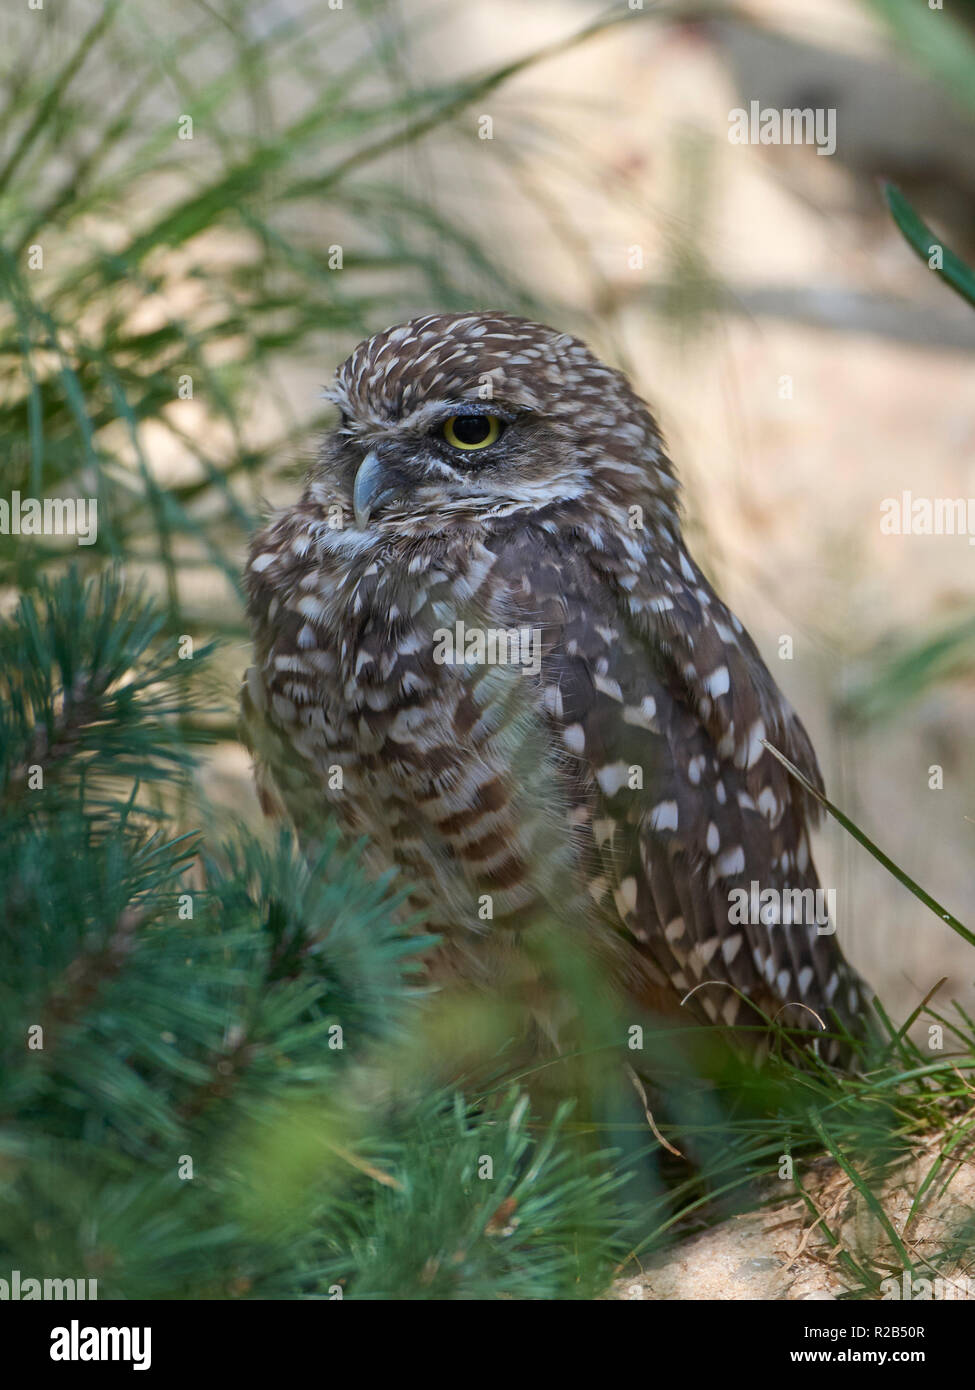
[
  {"x": 186, "y": 204},
  {"x": 192, "y": 1001},
  {"x": 163, "y": 1009},
  {"x": 543, "y": 1225},
  {"x": 89, "y": 712}
]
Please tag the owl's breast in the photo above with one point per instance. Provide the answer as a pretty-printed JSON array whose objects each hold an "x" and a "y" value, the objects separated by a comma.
[{"x": 404, "y": 698}]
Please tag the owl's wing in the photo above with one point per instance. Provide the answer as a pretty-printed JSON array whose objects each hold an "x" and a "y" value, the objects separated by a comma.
[{"x": 700, "y": 836}]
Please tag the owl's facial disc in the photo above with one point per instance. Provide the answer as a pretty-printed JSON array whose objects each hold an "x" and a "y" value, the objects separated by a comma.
[{"x": 456, "y": 453}]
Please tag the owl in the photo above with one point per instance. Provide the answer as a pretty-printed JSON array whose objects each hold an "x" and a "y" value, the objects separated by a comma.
[{"x": 482, "y": 645}]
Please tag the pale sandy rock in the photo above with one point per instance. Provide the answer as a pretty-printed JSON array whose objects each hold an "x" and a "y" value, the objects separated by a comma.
[{"x": 781, "y": 1252}]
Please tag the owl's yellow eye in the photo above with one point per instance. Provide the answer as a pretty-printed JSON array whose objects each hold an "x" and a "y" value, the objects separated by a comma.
[{"x": 471, "y": 431}]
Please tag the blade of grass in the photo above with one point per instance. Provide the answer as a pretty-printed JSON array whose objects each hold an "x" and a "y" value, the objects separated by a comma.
[
  {"x": 923, "y": 241},
  {"x": 873, "y": 849},
  {"x": 864, "y": 1190}
]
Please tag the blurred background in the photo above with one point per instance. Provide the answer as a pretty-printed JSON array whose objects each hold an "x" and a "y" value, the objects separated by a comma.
[{"x": 205, "y": 204}]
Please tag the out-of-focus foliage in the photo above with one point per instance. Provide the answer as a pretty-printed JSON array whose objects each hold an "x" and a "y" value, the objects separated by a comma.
[
  {"x": 191, "y": 196},
  {"x": 904, "y": 671},
  {"x": 948, "y": 51},
  {"x": 900, "y": 676},
  {"x": 946, "y": 46}
]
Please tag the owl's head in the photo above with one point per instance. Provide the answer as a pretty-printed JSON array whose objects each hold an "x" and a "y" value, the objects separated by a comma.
[{"x": 461, "y": 418}]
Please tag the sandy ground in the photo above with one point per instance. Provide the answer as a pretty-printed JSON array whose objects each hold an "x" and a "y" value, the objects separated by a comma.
[{"x": 783, "y": 1253}]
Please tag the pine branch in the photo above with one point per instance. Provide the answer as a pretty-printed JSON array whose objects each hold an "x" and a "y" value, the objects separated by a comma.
[
  {"x": 87, "y": 975},
  {"x": 86, "y": 693}
]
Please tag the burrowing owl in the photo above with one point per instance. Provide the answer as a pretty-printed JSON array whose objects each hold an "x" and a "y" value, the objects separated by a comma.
[{"x": 482, "y": 644}]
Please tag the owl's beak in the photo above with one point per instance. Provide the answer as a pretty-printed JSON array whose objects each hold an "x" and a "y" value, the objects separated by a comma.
[{"x": 370, "y": 487}]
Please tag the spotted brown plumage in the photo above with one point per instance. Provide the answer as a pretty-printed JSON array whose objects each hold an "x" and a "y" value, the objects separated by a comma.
[{"x": 619, "y": 779}]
